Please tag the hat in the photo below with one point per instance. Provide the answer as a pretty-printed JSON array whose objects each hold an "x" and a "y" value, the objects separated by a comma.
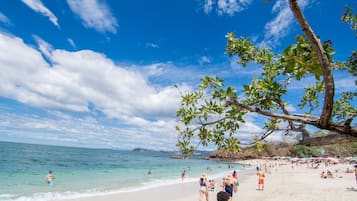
[
  {"x": 228, "y": 177},
  {"x": 204, "y": 175}
]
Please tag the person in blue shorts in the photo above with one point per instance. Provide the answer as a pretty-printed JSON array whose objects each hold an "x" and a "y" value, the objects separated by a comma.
[{"x": 50, "y": 178}]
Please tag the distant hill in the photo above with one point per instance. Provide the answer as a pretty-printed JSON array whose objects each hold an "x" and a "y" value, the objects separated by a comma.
[
  {"x": 288, "y": 149},
  {"x": 151, "y": 150}
]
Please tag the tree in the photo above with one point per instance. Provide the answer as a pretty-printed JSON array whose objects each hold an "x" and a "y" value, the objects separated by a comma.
[{"x": 213, "y": 113}]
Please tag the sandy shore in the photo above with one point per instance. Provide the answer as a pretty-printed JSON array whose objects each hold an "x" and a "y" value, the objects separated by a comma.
[{"x": 284, "y": 183}]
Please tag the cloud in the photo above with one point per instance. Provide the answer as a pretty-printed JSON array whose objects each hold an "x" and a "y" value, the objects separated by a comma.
[
  {"x": 4, "y": 19},
  {"x": 82, "y": 82},
  {"x": 152, "y": 45},
  {"x": 208, "y": 6},
  {"x": 38, "y": 6},
  {"x": 94, "y": 14},
  {"x": 225, "y": 7},
  {"x": 279, "y": 26},
  {"x": 71, "y": 42},
  {"x": 86, "y": 84},
  {"x": 204, "y": 60},
  {"x": 73, "y": 80},
  {"x": 43, "y": 46},
  {"x": 83, "y": 132}
]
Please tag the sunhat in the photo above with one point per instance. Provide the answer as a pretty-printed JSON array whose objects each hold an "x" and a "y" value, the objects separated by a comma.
[
  {"x": 228, "y": 177},
  {"x": 204, "y": 175}
]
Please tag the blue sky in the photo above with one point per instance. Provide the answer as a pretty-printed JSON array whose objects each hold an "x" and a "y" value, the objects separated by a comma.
[{"x": 95, "y": 73}]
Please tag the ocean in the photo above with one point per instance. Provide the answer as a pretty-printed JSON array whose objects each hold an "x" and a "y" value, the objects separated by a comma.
[{"x": 81, "y": 172}]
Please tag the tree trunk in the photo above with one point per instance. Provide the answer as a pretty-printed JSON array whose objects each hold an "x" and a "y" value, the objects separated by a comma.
[{"x": 326, "y": 113}]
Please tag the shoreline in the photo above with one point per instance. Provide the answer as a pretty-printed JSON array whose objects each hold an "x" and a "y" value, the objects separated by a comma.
[
  {"x": 186, "y": 190},
  {"x": 286, "y": 182}
]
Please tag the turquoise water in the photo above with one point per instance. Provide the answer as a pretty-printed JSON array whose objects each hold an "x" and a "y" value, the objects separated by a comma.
[{"x": 83, "y": 172}]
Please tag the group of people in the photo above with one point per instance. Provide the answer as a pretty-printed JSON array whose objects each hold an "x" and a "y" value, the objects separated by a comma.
[
  {"x": 326, "y": 175},
  {"x": 229, "y": 186}
]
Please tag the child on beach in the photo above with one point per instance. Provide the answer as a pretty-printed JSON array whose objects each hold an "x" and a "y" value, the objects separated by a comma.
[{"x": 212, "y": 185}]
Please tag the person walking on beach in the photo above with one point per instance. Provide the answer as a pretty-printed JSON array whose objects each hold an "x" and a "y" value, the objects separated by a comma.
[
  {"x": 261, "y": 177},
  {"x": 223, "y": 196},
  {"x": 228, "y": 185},
  {"x": 50, "y": 178},
  {"x": 203, "y": 187},
  {"x": 235, "y": 180}
]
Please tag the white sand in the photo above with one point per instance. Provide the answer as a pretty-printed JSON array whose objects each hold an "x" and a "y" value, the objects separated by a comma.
[{"x": 299, "y": 183}]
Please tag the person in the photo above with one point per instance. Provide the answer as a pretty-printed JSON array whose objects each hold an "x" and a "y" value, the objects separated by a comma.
[
  {"x": 356, "y": 173},
  {"x": 183, "y": 174},
  {"x": 203, "y": 187},
  {"x": 235, "y": 179},
  {"x": 329, "y": 174},
  {"x": 50, "y": 178},
  {"x": 228, "y": 185},
  {"x": 223, "y": 196},
  {"x": 149, "y": 171},
  {"x": 261, "y": 177},
  {"x": 212, "y": 185},
  {"x": 322, "y": 175}
]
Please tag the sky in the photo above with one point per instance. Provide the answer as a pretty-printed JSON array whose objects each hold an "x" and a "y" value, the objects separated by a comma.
[{"x": 100, "y": 73}]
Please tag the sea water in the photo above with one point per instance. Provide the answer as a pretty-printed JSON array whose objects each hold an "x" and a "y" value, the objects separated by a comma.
[{"x": 81, "y": 172}]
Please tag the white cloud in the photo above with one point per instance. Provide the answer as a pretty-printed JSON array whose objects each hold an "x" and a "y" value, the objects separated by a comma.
[
  {"x": 71, "y": 42},
  {"x": 4, "y": 19},
  {"x": 84, "y": 82},
  {"x": 94, "y": 15},
  {"x": 43, "y": 46},
  {"x": 229, "y": 7},
  {"x": 38, "y": 6},
  {"x": 279, "y": 26},
  {"x": 85, "y": 132},
  {"x": 204, "y": 60},
  {"x": 152, "y": 45},
  {"x": 208, "y": 6},
  {"x": 74, "y": 79}
]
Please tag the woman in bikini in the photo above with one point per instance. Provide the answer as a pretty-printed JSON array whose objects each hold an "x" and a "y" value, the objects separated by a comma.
[{"x": 204, "y": 187}]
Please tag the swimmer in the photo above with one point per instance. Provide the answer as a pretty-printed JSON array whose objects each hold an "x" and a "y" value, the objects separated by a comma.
[{"x": 50, "y": 178}]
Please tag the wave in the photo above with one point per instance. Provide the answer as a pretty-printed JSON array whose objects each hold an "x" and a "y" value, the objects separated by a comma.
[{"x": 51, "y": 196}]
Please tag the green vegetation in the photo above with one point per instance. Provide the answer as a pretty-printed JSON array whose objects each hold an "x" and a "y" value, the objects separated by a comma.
[
  {"x": 304, "y": 151},
  {"x": 214, "y": 112}
]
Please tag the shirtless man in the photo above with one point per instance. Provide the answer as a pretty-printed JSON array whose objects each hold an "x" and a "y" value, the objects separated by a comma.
[
  {"x": 50, "y": 178},
  {"x": 261, "y": 177}
]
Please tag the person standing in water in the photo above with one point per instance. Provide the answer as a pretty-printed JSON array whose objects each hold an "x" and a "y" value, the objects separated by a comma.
[{"x": 50, "y": 178}]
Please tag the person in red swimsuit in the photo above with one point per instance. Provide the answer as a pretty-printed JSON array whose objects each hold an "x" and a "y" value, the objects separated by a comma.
[{"x": 261, "y": 177}]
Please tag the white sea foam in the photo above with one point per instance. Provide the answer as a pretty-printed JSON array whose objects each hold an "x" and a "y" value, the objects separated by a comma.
[{"x": 47, "y": 196}]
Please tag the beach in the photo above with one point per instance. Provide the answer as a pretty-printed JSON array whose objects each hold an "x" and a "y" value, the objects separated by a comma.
[{"x": 285, "y": 182}]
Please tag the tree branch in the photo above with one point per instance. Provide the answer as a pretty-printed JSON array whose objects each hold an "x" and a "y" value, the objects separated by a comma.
[
  {"x": 326, "y": 113},
  {"x": 308, "y": 119}
]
